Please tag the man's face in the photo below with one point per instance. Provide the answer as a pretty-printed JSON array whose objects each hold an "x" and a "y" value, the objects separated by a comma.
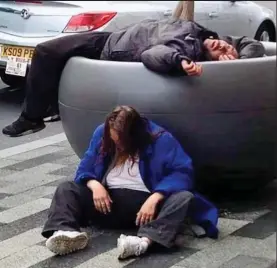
[{"x": 220, "y": 50}]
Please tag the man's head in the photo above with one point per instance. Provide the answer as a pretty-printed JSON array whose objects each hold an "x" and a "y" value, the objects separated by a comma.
[{"x": 220, "y": 50}]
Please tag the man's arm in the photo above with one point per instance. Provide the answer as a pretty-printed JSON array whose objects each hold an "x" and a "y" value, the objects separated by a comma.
[
  {"x": 250, "y": 48},
  {"x": 247, "y": 47},
  {"x": 164, "y": 59},
  {"x": 173, "y": 57}
]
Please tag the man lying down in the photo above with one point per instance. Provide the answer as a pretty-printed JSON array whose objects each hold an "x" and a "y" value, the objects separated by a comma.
[{"x": 169, "y": 46}]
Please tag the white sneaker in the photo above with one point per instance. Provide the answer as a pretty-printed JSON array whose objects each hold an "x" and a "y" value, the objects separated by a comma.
[
  {"x": 64, "y": 242},
  {"x": 131, "y": 246}
]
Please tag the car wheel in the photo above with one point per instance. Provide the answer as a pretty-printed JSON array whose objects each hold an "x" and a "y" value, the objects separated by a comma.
[
  {"x": 12, "y": 80},
  {"x": 265, "y": 33}
]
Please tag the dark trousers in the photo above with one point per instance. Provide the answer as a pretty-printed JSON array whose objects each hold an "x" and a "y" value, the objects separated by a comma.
[
  {"x": 72, "y": 208},
  {"x": 48, "y": 62}
]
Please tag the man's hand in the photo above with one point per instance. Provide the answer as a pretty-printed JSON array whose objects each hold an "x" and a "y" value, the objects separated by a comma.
[
  {"x": 148, "y": 209},
  {"x": 101, "y": 198},
  {"x": 225, "y": 57},
  {"x": 192, "y": 69}
]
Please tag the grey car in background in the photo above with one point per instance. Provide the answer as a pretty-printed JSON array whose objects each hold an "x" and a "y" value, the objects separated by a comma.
[{"x": 24, "y": 24}]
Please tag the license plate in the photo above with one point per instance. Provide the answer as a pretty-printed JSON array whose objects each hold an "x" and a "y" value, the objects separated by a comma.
[
  {"x": 17, "y": 59},
  {"x": 16, "y": 51},
  {"x": 16, "y": 66}
]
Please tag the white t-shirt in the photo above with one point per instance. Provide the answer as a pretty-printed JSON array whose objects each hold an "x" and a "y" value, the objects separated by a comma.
[{"x": 126, "y": 176}]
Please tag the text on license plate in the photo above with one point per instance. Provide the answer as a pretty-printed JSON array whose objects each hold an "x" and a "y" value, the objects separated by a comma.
[{"x": 20, "y": 52}]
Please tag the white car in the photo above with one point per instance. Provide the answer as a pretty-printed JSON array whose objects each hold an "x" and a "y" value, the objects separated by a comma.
[{"x": 24, "y": 24}]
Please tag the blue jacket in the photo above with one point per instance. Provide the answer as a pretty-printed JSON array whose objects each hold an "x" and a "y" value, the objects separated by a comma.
[{"x": 164, "y": 167}]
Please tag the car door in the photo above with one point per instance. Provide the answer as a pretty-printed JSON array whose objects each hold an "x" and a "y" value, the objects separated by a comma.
[
  {"x": 200, "y": 14},
  {"x": 131, "y": 12},
  {"x": 229, "y": 17}
]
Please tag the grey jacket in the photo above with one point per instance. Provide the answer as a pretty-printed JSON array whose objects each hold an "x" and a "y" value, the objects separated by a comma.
[{"x": 161, "y": 45}]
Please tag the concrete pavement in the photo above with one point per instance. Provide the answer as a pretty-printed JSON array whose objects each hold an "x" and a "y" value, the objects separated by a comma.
[
  {"x": 28, "y": 178},
  {"x": 10, "y": 108}
]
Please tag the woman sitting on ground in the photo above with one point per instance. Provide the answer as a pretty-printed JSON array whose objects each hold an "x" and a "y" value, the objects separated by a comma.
[{"x": 134, "y": 173}]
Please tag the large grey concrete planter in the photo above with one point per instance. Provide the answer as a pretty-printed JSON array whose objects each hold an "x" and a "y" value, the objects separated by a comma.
[{"x": 224, "y": 119}]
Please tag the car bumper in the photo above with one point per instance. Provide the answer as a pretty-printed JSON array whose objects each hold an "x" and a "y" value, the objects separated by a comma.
[
  {"x": 14, "y": 40},
  {"x": 2, "y": 64},
  {"x": 7, "y": 39}
]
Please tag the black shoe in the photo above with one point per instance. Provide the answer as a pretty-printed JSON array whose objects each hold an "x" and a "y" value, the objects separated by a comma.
[
  {"x": 52, "y": 115},
  {"x": 52, "y": 118},
  {"x": 22, "y": 127}
]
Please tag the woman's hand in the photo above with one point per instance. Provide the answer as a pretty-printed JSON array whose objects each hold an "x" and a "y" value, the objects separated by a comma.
[
  {"x": 148, "y": 209},
  {"x": 192, "y": 69},
  {"x": 101, "y": 198}
]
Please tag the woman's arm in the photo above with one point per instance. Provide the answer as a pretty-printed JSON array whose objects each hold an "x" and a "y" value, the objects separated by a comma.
[
  {"x": 178, "y": 167},
  {"x": 86, "y": 170}
]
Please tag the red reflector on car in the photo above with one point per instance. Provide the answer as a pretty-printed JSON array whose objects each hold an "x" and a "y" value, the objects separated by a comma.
[{"x": 88, "y": 22}]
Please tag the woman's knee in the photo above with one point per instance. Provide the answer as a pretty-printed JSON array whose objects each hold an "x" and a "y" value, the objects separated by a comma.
[
  {"x": 67, "y": 186},
  {"x": 183, "y": 196}
]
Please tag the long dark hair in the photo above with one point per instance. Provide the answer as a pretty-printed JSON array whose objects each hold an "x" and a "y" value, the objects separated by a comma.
[{"x": 132, "y": 130}]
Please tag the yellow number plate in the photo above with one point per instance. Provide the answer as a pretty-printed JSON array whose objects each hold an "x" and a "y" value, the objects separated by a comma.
[{"x": 20, "y": 52}]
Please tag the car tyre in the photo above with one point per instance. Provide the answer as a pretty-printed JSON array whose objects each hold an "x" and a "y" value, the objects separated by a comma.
[
  {"x": 265, "y": 33},
  {"x": 12, "y": 80}
]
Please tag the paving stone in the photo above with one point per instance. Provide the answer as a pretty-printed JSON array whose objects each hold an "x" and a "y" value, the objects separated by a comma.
[
  {"x": 20, "y": 226},
  {"x": 96, "y": 246},
  {"x": 247, "y": 262},
  {"x": 65, "y": 171},
  {"x": 160, "y": 257},
  {"x": 250, "y": 216},
  {"x": 219, "y": 253},
  {"x": 262, "y": 248},
  {"x": 36, "y": 153},
  {"x": 37, "y": 161},
  {"x": 3, "y": 195},
  {"x": 6, "y": 162},
  {"x": 20, "y": 242},
  {"x": 274, "y": 265},
  {"x": 30, "y": 172},
  {"x": 73, "y": 160},
  {"x": 259, "y": 229},
  {"x": 56, "y": 183},
  {"x": 4, "y": 172},
  {"x": 67, "y": 150},
  {"x": 63, "y": 144},
  {"x": 35, "y": 177},
  {"x": 26, "y": 257},
  {"x": 105, "y": 260},
  {"x": 28, "y": 196},
  {"x": 31, "y": 178},
  {"x": 50, "y": 196},
  {"x": 225, "y": 226},
  {"x": 24, "y": 210},
  {"x": 16, "y": 188},
  {"x": 3, "y": 184}
]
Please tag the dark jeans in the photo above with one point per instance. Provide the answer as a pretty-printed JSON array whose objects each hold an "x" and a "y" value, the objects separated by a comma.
[
  {"x": 47, "y": 64},
  {"x": 72, "y": 208}
]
